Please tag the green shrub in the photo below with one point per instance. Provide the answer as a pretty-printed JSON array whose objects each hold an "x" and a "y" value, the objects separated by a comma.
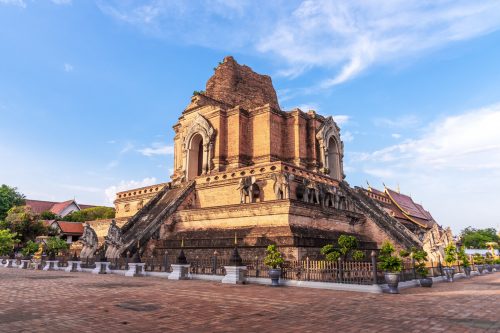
[
  {"x": 90, "y": 214},
  {"x": 273, "y": 257},
  {"x": 30, "y": 248},
  {"x": 55, "y": 245},
  {"x": 347, "y": 246},
  {"x": 478, "y": 259},
  {"x": 450, "y": 254},
  {"x": 7, "y": 241},
  {"x": 463, "y": 257},
  {"x": 420, "y": 257},
  {"x": 387, "y": 261}
]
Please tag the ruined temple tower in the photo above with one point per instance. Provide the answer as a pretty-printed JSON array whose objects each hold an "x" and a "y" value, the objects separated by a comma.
[{"x": 244, "y": 167}]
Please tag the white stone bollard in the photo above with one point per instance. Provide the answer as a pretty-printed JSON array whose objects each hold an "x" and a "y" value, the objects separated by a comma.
[
  {"x": 51, "y": 265},
  {"x": 24, "y": 264},
  {"x": 74, "y": 266},
  {"x": 102, "y": 267},
  {"x": 11, "y": 263},
  {"x": 235, "y": 275},
  {"x": 179, "y": 272},
  {"x": 135, "y": 269}
]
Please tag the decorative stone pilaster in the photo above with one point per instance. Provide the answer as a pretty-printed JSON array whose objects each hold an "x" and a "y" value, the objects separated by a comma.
[
  {"x": 74, "y": 266},
  {"x": 24, "y": 264},
  {"x": 180, "y": 271},
  {"x": 11, "y": 263},
  {"x": 51, "y": 265},
  {"x": 136, "y": 267},
  {"x": 235, "y": 272},
  {"x": 102, "y": 267}
]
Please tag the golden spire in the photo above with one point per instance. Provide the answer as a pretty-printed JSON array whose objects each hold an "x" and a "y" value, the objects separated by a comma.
[
  {"x": 369, "y": 187},
  {"x": 399, "y": 191},
  {"x": 182, "y": 242},
  {"x": 235, "y": 239}
]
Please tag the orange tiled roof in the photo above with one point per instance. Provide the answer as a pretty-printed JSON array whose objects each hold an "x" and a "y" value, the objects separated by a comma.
[{"x": 71, "y": 228}]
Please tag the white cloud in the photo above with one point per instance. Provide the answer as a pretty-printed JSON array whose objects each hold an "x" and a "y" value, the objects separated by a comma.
[
  {"x": 347, "y": 136},
  {"x": 111, "y": 165},
  {"x": 405, "y": 121},
  {"x": 157, "y": 148},
  {"x": 453, "y": 167},
  {"x": 357, "y": 34},
  {"x": 127, "y": 147},
  {"x": 127, "y": 185},
  {"x": 341, "y": 119},
  {"x": 62, "y": 2},
  {"x": 396, "y": 135},
  {"x": 68, "y": 67},
  {"x": 82, "y": 188},
  {"x": 19, "y": 3},
  {"x": 345, "y": 37}
]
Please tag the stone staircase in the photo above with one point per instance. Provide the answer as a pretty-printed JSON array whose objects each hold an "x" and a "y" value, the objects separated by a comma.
[
  {"x": 141, "y": 227},
  {"x": 381, "y": 217}
]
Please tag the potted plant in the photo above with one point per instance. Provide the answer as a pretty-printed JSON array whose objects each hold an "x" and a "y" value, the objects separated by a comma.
[
  {"x": 420, "y": 257},
  {"x": 29, "y": 249},
  {"x": 450, "y": 256},
  {"x": 462, "y": 256},
  {"x": 54, "y": 245},
  {"x": 274, "y": 260},
  {"x": 496, "y": 263},
  {"x": 479, "y": 262},
  {"x": 489, "y": 261},
  {"x": 391, "y": 265},
  {"x": 346, "y": 248}
]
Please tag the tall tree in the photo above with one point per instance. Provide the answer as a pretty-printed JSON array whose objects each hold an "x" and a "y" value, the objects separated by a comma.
[
  {"x": 7, "y": 241},
  {"x": 90, "y": 214},
  {"x": 477, "y": 238},
  {"x": 20, "y": 219},
  {"x": 9, "y": 197}
]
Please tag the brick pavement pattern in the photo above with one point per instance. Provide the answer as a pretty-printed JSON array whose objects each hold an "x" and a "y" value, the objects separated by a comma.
[{"x": 35, "y": 301}]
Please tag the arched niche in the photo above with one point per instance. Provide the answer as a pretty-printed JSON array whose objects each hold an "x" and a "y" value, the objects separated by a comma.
[
  {"x": 198, "y": 148},
  {"x": 331, "y": 149}
]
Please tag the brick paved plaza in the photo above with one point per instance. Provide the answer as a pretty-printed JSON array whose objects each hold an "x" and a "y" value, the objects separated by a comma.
[{"x": 36, "y": 301}]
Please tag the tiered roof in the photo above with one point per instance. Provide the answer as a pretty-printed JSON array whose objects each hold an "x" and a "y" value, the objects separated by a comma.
[
  {"x": 40, "y": 206},
  {"x": 402, "y": 207}
]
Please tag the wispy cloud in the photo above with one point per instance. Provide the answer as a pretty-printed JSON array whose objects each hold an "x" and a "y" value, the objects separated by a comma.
[
  {"x": 358, "y": 34},
  {"x": 127, "y": 147},
  {"x": 62, "y": 2},
  {"x": 68, "y": 67},
  {"x": 341, "y": 119},
  {"x": 405, "y": 121},
  {"x": 157, "y": 148},
  {"x": 82, "y": 188},
  {"x": 19, "y": 3},
  {"x": 344, "y": 37},
  {"x": 396, "y": 135},
  {"x": 126, "y": 185},
  {"x": 454, "y": 166}
]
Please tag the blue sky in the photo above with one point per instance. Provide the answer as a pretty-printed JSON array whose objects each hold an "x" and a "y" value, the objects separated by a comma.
[{"x": 90, "y": 90}]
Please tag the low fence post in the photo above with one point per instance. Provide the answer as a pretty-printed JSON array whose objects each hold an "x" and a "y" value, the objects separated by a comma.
[
  {"x": 257, "y": 271},
  {"x": 413, "y": 268},
  {"x": 440, "y": 266},
  {"x": 165, "y": 260},
  {"x": 374, "y": 266},
  {"x": 307, "y": 268},
  {"x": 214, "y": 263}
]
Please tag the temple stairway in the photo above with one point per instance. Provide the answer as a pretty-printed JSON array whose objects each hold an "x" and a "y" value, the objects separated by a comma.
[
  {"x": 141, "y": 227},
  {"x": 381, "y": 217}
]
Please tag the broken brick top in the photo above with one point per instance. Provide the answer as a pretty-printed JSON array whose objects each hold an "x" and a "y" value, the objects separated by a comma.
[{"x": 238, "y": 85}]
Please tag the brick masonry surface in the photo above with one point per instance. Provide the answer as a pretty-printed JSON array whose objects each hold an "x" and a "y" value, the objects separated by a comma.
[{"x": 35, "y": 301}]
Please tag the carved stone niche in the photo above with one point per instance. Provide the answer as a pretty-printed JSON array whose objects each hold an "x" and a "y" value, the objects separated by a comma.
[
  {"x": 198, "y": 148},
  {"x": 331, "y": 149}
]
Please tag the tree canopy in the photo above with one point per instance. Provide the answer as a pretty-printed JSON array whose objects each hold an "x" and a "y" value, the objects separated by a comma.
[
  {"x": 90, "y": 214},
  {"x": 7, "y": 241},
  {"x": 477, "y": 238},
  {"x": 20, "y": 219},
  {"x": 9, "y": 197}
]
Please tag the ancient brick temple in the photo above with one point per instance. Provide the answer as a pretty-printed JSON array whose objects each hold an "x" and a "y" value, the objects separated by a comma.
[{"x": 245, "y": 168}]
